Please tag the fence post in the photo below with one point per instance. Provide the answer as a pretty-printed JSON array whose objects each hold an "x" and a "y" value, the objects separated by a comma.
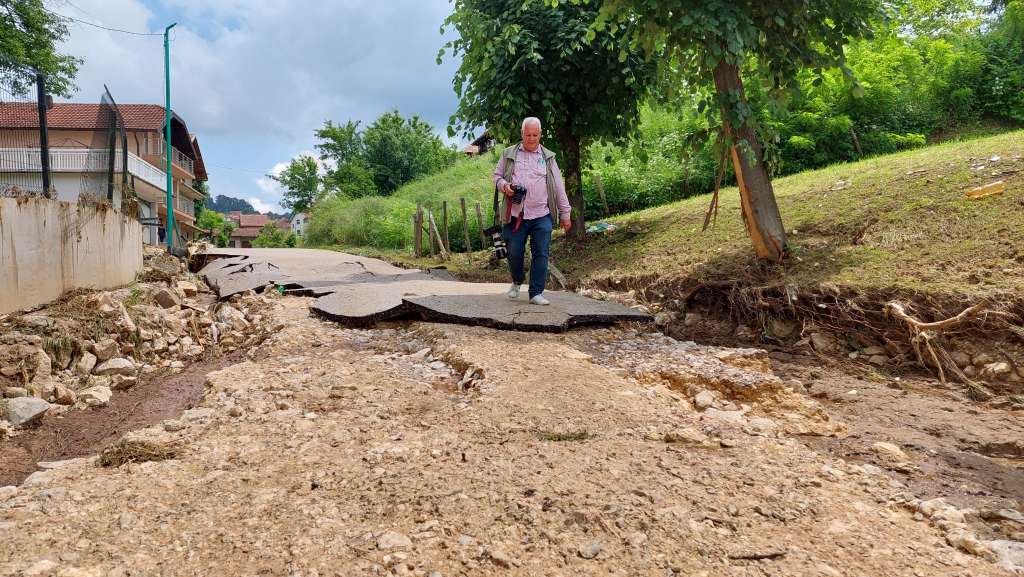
[
  {"x": 437, "y": 233},
  {"x": 480, "y": 225},
  {"x": 465, "y": 229},
  {"x": 417, "y": 231},
  {"x": 44, "y": 139},
  {"x": 430, "y": 237},
  {"x": 444, "y": 215}
]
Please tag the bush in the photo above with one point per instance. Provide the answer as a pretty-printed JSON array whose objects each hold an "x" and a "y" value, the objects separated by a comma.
[{"x": 383, "y": 222}]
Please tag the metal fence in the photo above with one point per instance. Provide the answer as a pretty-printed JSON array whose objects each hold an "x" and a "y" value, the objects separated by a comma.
[
  {"x": 24, "y": 167},
  {"x": 31, "y": 164}
]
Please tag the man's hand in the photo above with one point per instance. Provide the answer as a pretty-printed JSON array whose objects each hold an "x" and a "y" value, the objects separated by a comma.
[
  {"x": 507, "y": 189},
  {"x": 566, "y": 225}
]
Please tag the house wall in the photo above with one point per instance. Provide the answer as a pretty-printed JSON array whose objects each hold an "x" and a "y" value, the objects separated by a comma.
[{"x": 48, "y": 247}]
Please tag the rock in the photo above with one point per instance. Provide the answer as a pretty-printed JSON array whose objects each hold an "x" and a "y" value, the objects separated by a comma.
[
  {"x": 232, "y": 316},
  {"x": 96, "y": 396},
  {"x": 119, "y": 382},
  {"x": 981, "y": 359},
  {"x": 26, "y": 410},
  {"x": 115, "y": 366},
  {"x": 393, "y": 540},
  {"x": 878, "y": 360},
  {"x": 189, "y": 289},
  {"x": 690, "y": 436},
  {"x": 125, "y": 320},
  {"x": 7, "y": 492},
  {"x": 637, "y": 539},
  {"x": 98, "y": 381},
  {"x": 995, "y": 370},
  {"x": 105, "y": 350},
  {"x": 704, "y": 399},
  {"x": 761, "y": 425},
  {"x": 500, "y": 558},
  {"x": 64, "y": 395},
  {"x": 691, "y": 319},
  {"x": 783, "y": 328},
  {"x": 969, "y": 543},
  {"x": 961, "y": 359},
  {"x": 590, "y": 550},
  {"x": 235, "y": 411},
  {"x": 872, "y": 351},
  {"x": 173, "y": 426},
  {"x": 42, "y": 365},
  {"x": 735, "y": 417},
  {"x": 13, "y": 392},
  {"x": 664, "y": 318},
  {"x": 166, "y": 298},
  {"x": 85, "y": 364},
  {"x": 104, "y": 303},
  {"x": 823, "y": 343},
  {"x": 1009, "y": 554},
  {"x": 890, "y": 452}
]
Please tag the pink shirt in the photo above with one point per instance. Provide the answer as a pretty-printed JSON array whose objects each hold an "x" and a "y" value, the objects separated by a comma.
[{"x": 531, "y": 171}]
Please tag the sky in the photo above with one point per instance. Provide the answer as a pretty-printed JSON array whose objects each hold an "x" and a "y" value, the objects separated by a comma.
[{"x": 254, "y": 78}]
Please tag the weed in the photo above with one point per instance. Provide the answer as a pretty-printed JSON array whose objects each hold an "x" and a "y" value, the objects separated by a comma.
[
  {"x": 125, "y": 451},
  {"x": 571, "y": 436}
]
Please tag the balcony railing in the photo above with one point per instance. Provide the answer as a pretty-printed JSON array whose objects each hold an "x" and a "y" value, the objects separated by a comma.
[
  {"x": 153, "y": 144},
  {"x": 79, "y": 160}
]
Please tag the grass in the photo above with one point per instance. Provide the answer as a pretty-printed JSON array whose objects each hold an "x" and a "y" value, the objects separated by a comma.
[{"x": 901, "y": 222}]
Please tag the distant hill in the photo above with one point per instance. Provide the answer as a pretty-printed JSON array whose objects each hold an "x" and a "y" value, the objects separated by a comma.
[{"x": 226, "y": 204}]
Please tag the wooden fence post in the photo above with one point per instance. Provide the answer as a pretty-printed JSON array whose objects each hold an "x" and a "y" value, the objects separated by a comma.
[
  {"x": 480, "y": 224},
  {"x": 444, "y": 215},
  {"x": 430, "y": 237},
  {"x": 418, "y": 230},
  {"x": 465, "y": 229},
  {"x": 437, "y": 233}
]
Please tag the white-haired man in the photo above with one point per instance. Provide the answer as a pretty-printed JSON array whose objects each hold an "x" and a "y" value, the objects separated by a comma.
[{"x": 530, "y": 165}]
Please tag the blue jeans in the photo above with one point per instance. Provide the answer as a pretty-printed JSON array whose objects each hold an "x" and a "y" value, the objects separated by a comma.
[{"x": 539, "y": 231}]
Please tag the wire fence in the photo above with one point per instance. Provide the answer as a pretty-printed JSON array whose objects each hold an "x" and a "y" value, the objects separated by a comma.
[{"x": 81, "y": 159}]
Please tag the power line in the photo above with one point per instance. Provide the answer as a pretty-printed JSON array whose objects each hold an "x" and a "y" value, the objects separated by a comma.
[{"x": 104, "y": 27}]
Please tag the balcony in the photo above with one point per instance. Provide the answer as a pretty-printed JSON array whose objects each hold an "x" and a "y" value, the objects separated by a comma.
[
  {"x": 79, "y": 160},
  {"x": 152, "y": 147}
]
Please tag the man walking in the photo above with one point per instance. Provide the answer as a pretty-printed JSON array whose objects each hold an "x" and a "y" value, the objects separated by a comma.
[{"x": 530, "y": 165}]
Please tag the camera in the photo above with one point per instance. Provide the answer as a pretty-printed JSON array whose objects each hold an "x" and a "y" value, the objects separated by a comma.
[
  {"x": 498, "y": 248},
  {"x": 518, "y": 194}
]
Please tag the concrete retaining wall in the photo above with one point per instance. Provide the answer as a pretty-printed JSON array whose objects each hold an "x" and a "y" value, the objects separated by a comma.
[{"x": 48, "y": 247}]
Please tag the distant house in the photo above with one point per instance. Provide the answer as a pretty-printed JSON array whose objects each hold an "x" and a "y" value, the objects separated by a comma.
[
  {"x": 283, "y": 224},
  {"x": 480, "y": 145},
  {"x": 78, "y": 134},
  {"x": 249, "y": 226},
  {"x": 299, "y": 223}
]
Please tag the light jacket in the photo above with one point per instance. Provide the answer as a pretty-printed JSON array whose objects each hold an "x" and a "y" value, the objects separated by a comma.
[{"x": 508, "y": 158}]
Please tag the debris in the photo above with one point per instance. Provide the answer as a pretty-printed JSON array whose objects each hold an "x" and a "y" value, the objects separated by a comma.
[
  {"x": 26, "y": 410},
  {"x": 125, "y": 451},
  {"x": 990, "y": 189}
]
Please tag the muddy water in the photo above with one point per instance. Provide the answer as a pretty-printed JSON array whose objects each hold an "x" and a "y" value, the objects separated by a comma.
[{"x": 85, "y": 432}]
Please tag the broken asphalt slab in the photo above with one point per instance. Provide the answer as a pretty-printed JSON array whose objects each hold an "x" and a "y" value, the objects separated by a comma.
[{"x": 356, "y": 290}]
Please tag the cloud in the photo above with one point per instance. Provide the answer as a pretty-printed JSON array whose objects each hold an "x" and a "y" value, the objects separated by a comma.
[
  {"x": 261, "y": 206},
  {"x": 254, "y": 78}
]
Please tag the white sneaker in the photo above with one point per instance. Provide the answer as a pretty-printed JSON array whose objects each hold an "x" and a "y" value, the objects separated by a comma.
[
  {"x": 512, "y": 292},
  {"x": 539, "y": 300}
]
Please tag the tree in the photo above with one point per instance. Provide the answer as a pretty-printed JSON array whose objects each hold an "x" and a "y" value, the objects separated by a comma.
[
  {"x": 523, "y": 58},
  {"x": 301, "y": 182},
  {"x": 220, "y": 228},
  {"x": 712, "y": 39},
  {"x": 342, "y": 144},
  {"x": 29, "y": 35},
  {"x": 398, "y": 150},
  {"x": 272, "y": 237}
]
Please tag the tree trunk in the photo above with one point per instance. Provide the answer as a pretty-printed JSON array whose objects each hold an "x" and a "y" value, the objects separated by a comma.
[
  {"x": 570, "y": 165},
  {"x": 760, "y": 211}
]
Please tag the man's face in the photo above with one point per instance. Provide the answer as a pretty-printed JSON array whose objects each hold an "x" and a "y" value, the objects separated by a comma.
[{"x": 531, "y": 137}]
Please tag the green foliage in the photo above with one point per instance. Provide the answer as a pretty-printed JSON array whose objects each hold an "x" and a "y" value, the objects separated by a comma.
[
  {"x": 220, "y": 228},
  {"x": 272, "y": 237},
  {"x": 397, "y": 150},
  {"x": 387, "y": 154},
  {"x": 29, "y": 39},
  {"x": 378, "y": 221},
  {"x": 301, "y": 182},
  {"x": 522, "y": 58}
]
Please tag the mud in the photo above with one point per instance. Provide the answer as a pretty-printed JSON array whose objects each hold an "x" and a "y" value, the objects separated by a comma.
[
  {"x": 84, "y": 432},
  {"x": 963, "y": 451}
]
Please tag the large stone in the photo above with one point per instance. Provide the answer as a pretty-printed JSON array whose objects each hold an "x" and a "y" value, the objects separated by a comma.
[
  {"x": 188, "y": 288},
  {"x": 232, "y": 316},
  {"x": 890, "y": 452},
  {"x": 64, "y": 395},
  {"x": 995, "y": 370},
  {"x": 704, "y": 399},
  {"x": 105, "y": 350},
  {"x": 42, "y": 365},
  {"x": 166, "y": 298},
  {"x": 25, "y": 410},
  {"x": 115, "y": 366},
  {"x": 125, "y": 321},
  {"x": 95, "y": 396},
  {"x": 14, "y": 392},
  {"x": 393, "y": 540}
]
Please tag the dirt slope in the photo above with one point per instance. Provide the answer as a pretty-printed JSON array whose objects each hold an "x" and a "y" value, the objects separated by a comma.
[{"x": 338, "y": 451}]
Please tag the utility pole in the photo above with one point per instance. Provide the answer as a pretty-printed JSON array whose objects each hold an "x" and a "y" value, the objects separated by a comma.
[
  {"x": 167, "y": 137},
  {"x": 44, "y": 140}
]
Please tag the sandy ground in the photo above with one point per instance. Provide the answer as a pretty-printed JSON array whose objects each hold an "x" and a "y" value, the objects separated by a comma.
[{"x": 335, "y": 451}]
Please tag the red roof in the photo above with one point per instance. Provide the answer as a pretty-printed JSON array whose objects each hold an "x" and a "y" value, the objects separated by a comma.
[
  {"x": 256, "y": 220},
  {"x": 78, "y": 116}
]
